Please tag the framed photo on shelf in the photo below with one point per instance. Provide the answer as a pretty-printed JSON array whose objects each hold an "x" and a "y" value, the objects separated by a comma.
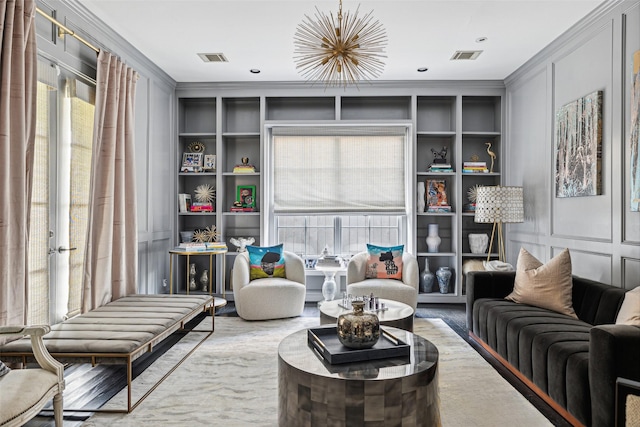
[
  {"x": 191, "y": 162},
  {"x": 246, "y": 195},
  {"x": 209, "y": 162}
]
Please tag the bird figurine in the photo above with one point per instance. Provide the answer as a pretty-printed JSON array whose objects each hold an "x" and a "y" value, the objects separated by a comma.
[
  {"x": 242, "y": 242},
  {"x": 491, "y": 154}
]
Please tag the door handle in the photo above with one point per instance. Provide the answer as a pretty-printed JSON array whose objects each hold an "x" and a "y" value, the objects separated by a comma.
[{"x": 62, "y": 249}]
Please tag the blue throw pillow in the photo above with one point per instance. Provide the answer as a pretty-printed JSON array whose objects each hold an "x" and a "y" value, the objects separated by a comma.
[{"x": 266, "y": 262}]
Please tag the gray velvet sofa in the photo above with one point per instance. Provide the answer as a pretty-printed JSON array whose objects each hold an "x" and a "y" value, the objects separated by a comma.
[{"x": 571, "y": 363}]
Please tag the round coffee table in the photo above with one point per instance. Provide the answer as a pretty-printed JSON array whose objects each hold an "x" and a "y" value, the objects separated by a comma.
[
  {"x": 380, "y": 392},
  {"x": 398, "y": 314}
]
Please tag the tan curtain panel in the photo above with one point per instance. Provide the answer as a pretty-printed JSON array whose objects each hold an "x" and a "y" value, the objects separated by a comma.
[
  {"x": 111, "y": 258},
  {"x": 18, "y": 82}
]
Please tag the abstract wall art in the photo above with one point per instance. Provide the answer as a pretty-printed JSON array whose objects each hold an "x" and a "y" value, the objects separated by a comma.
[
  {"x": 579, "y": 147},
  {"x": 634, "y": 134}
]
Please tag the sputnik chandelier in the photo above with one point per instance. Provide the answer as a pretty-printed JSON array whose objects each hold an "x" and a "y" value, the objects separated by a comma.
[{"x": 340, "y": 53}]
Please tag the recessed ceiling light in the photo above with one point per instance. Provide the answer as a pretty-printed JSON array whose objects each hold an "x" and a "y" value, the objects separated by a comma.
[
  {"x": 481, "y": 39},
  {"x": 254, "y": 71},
  {"x": 422, "y": 69}
]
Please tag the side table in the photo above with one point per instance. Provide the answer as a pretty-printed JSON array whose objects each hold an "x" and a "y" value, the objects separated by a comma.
[
  {"x": 397, "y": 314},
  {"x": 188, "y": 254}
]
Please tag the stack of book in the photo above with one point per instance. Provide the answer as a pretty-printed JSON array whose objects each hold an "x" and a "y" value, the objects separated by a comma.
[
  {"x": 241, "y": 209},
  {"x": 202, "y": 246},
  {"x": 474, "y": 167},
  {"x": 201, "y": 207},
  {"x": 440, "y": 167}
]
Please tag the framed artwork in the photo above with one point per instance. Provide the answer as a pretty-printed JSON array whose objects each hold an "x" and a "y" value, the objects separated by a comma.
[
  {"x": 579, "y": 147},
  {"x": 437, "y": 192},
  {"x": 209, "y": 162},
  {"x": 191, "y": 162},
  {"x": 246, "y": 195}
]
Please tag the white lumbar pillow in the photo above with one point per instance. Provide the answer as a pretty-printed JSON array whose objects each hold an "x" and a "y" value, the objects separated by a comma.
[{"x": 629, "y": 313}]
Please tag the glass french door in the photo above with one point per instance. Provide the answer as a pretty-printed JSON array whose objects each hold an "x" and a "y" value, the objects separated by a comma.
[{"x": 60, "y": 195}]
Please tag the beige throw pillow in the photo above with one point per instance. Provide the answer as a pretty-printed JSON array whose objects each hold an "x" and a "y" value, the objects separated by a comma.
[
  {"x": 629, "y": 313},
  {"x": 544, "y": 285}
]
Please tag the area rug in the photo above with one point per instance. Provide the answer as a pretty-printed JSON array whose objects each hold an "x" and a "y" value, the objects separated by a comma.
[{"x": 231, "y": 380}]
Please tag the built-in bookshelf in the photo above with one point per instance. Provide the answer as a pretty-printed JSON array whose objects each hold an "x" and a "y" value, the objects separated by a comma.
[{"x": 232, "y": 128}]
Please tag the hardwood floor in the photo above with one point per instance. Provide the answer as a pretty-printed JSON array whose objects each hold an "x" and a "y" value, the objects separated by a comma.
[{"x": 92, "y": 387}]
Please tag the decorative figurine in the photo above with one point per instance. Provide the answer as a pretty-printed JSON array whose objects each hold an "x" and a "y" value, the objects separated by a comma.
[
  {"x": 242, "y": 242},
  {"x": 491, "y": 154},
  {"x": 439, "y": 157}
]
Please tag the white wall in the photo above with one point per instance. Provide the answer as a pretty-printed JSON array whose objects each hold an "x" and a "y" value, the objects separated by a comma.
[{"x": 601, "y": 232}]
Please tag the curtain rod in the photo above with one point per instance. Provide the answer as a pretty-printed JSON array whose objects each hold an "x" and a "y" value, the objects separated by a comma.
[{"x": 62, "y": 30}]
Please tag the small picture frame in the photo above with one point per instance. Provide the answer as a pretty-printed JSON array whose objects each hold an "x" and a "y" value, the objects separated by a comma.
[
  {"x": 246, "y": 195},
  {"x": 209, "y": 162},
  {"x": 191, "y": 162}
]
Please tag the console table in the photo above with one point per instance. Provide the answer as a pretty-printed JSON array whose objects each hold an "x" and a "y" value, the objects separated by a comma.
[
  {"x": 389, "y": 392},
  {"x": 189, "y": 254}
]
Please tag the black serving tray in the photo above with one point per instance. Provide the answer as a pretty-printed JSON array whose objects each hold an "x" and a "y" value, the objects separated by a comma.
[{"x": 325, "y": 341}]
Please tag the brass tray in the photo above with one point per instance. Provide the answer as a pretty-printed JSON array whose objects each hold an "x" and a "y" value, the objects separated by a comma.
[{"x": 325, "y": 341}]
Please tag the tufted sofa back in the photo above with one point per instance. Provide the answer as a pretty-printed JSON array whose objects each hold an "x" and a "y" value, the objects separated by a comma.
[{"x": 595, "y": 302}]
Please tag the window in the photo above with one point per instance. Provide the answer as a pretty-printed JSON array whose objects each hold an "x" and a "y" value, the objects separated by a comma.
[
  {"x": 60, "y": 195},
  {"x": 337, "y": 185},
  {"x": 343, "y": 234}
]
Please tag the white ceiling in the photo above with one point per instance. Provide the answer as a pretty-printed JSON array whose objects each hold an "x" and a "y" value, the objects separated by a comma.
[{"x": 259, "y": 34}]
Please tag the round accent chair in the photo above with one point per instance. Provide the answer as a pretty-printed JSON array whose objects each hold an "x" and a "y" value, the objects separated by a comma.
[
  {"x": 269, "y": 298},
  {"x": 405, "y": 290}
]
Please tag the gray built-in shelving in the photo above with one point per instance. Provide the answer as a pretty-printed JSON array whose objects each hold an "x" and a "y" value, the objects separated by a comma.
[{"x": 233, "y": 127}]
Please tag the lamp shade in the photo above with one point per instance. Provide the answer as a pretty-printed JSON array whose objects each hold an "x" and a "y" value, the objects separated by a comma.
[{"x": 499, "y": 204}]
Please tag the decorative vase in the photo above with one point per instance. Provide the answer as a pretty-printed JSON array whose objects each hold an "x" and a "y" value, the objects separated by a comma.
[
  {"x": 204, "y": 280},
  {"x": 478, "y": 243},
  {"x": 444, "y": 277},
  {"x": 427, "y": 278},
  {"x": 421, "y": 197},
  {"x": 433, "y": 240},
  {"x": 358, "y": 329},
  {"x": 192, "y": 278}
]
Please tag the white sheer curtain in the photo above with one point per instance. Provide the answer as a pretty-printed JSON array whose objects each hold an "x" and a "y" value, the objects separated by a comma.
[
  {"x": 111, "y": 258},
  {"x": 18, "y": 82}
]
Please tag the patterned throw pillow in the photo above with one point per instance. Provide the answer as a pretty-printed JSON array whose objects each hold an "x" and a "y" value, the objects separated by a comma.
[
  {"x": 384, "y": 262},
  {"x": 266, "y": 262}
]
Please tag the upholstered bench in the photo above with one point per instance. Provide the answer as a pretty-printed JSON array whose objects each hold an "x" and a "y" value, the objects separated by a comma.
[{"x": 116, "y": 333}]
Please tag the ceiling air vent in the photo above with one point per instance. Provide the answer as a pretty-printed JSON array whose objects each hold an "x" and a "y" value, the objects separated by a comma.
[
  {"x": 213, "y": 57},
  {"x": 465, "y": 54}
]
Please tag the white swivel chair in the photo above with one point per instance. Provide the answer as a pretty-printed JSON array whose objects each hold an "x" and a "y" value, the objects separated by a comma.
[
  {"x": 269, "y": 298},
  {"x": 24, "y": 392},
  {"x": 405, "y": 290}
]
